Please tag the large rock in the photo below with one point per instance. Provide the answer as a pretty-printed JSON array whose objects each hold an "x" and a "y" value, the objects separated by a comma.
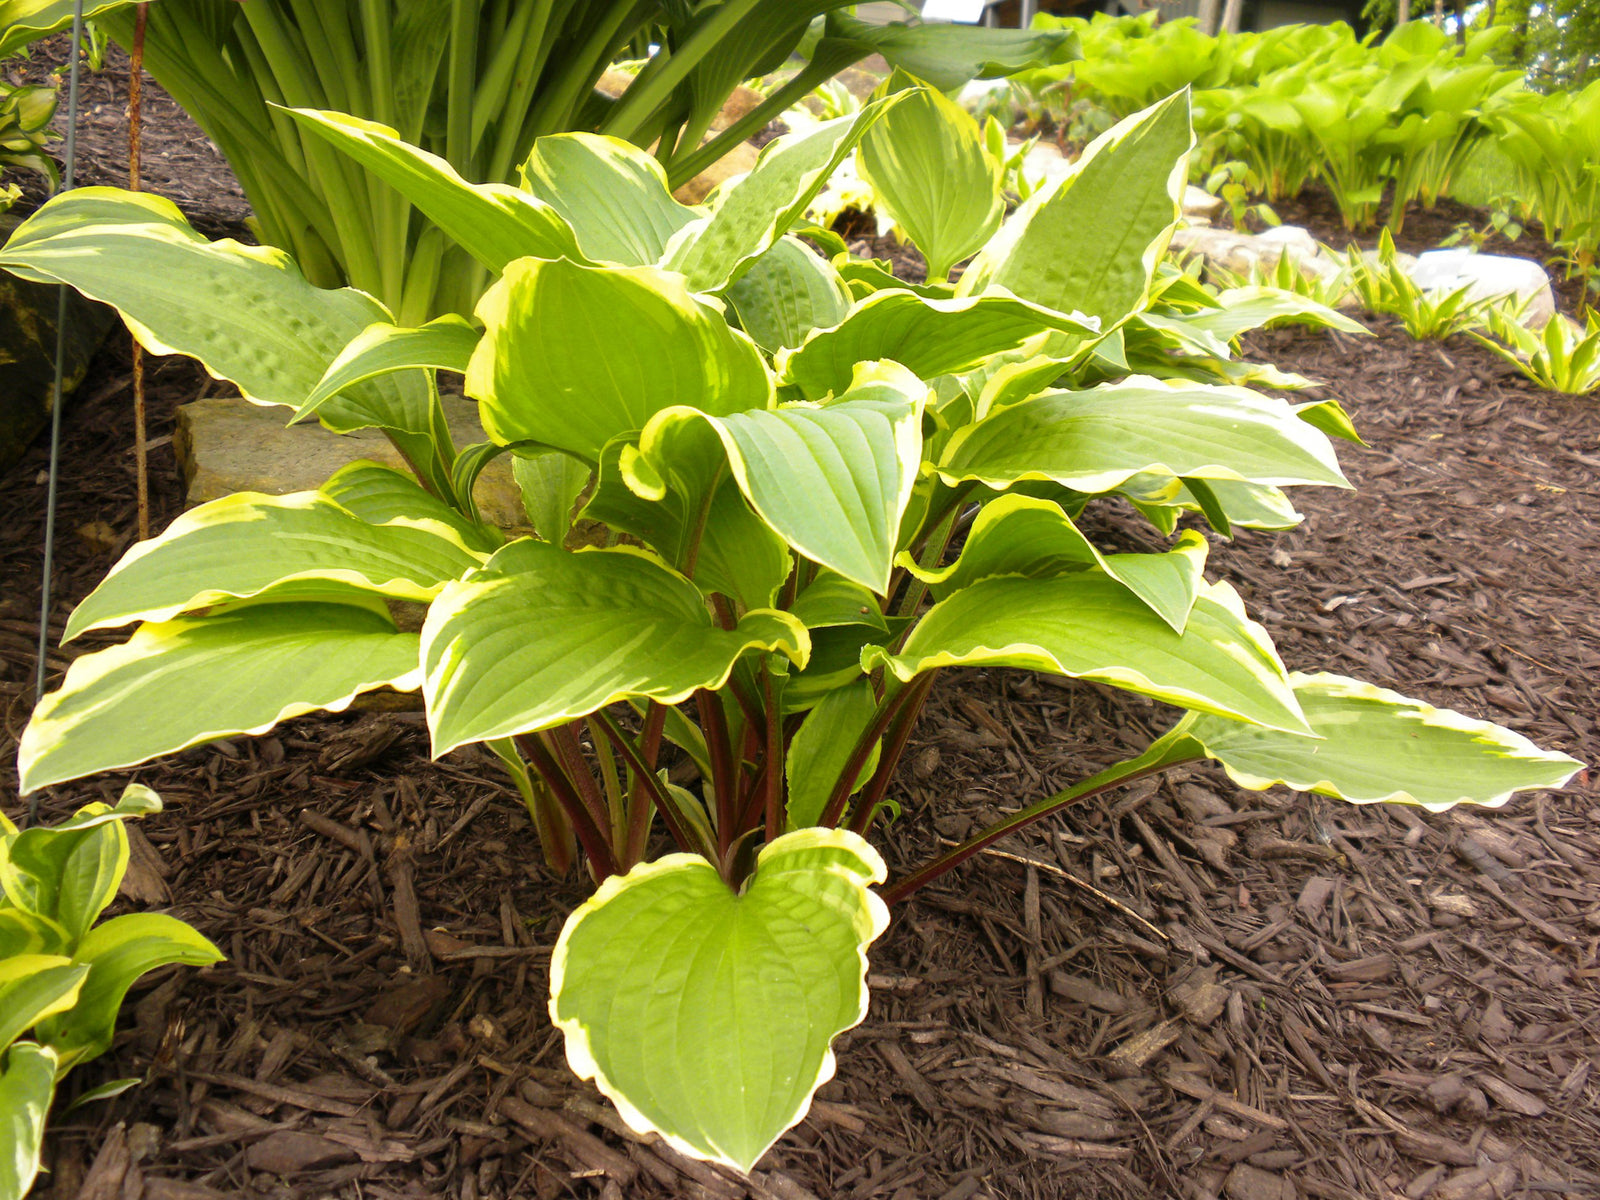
[
  {"x": 1489, "y": 277},
  {"x": 228, "y": 445},
  {"x": 28, "y": 352}
]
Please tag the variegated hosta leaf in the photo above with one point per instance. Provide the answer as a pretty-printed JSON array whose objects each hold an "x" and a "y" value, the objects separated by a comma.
[
  {"x": 1096, "y": 440},
  {"x": 1089, "y": 626},
  {"x": 788, "y": 292},
  {"x": 27, "y": 1086},
  {"x": 443, "y": 344},
  {"x": 195, "y": 679},
  {"x": 493, "y": 222},
  {"x": 707, "y": 1015},
  {"x": 948, "y": 56},
  {"x": 928, "y": 165},
  {"x": 751, "y": 212},
  {"x": 245, "y": 312},
  {"x": 929, "y": 337},
  {"x": 540, "y": 635},
  {"x": 381, "y": 495},
  {"x": 833, "y": 479},
  {"x": 1163, "y": 499},
  {"x": 1242, "y": 309},
  {"x": 612, "y": 194},
  {"x": 241, "y": 545},
  {"x": 1091, "y": 242},
  {"x": 1020, "y": 535},
  {"x": 1374, "y": 745},
  {"x": 573, "y": 356},
  {"x": 33, "y": 987},
  {"x": 821, "y": 748}
]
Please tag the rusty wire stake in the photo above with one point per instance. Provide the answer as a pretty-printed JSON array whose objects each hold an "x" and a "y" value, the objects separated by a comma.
[{"x": 141, "y": 451}]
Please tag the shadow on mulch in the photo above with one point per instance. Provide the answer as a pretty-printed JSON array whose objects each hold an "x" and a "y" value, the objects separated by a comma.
[{"x": 1181, "y": 990}]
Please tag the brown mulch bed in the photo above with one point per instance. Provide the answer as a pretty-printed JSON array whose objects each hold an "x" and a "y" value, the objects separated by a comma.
[{"x": 1183, "y": 990}]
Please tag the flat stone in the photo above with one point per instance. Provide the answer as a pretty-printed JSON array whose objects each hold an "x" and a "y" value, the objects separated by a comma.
[
  {"x": 1197, "y": 202},
  {"x": 1489, "y": 277},
  {"x": 228, "y": 445},
  {"x": 1289, "y": 237}
]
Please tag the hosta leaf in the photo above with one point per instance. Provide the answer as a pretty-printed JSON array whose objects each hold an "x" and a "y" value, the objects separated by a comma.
[
  {"x": 1374, "y": 745},
  {"x": 25, "y": 21},
  {"x": 23, "y": 932},
  {"x": 1089, "y": 626},
  {"x": 68, "y": 873},
  {"x": 1096, "y": 440},
  {"x": 245, "y": 312},
  {"x": 240, "y": 545},
  {"x": 830, "y": 600},
  {"x": 493, "y": 222},
  {"x": 542, "y": 635},
  {"x": 195, "y": 679},
  {"x": 27, "y": 1086},
  {"x": 929, "y": 337},
  {"x": 927, "y": 163},
  {"x": 117, "y": 954},
  {"x": 832, "y": 480},
  {"x": 572, "y": 356},
  {"x": 707, "y": 1016},
  {"x": 612, "y": 194},
  {"x": 788, "y": 292},
  {"x": 550, "y": 482},
  {"x": 443, "y": 344},
  {"x": 1242, "y": 309},
  {"x": 750, "y": 213},
  {"x": 1091, "y": 241},
  {"x": 821, "y": 749},
  {"x": 948, "y": 56},
  {"x": 380, "y": 495},
  {"x": 1021, "y": 535},
  {"x": 33, "y": 987}
]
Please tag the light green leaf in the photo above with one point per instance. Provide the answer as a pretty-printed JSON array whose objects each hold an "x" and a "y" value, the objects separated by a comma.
[
  {"x": 68, "y": 873},
  {"x": 572, "y": 356},
  {"x": 1162, "y": 499},
  {"x": 27, "y": 1086},
  {"x": 707, "y": 1016},
  {"x": 929, "y": 337},
  {"x": 1376, "y": 746},
  {"x": 948, "y": 56},
  {"x": 444, "y": 344},
  {"x": 830, "y": 600},
  {"x": 927, "y": 163},
  {"x": 832, "y": 480},
  {"x": 550, "y": 482},
  {"x": 1094, "y": 441},
  {"x": 542, "y": 635},
  {"x": 789, "y": 291},
  {"x": 23, "y": 932},
  {"x": 381, "y": 495},
  {"x": 1242, "y": 309},
  {"x": 612, "y": 194},
  {"x": 196, "y": 679},
  {"x": 1089, "y": 626},
  {"x": 32, "y": 988},
  {"x": 1091, "y": 241},
  {"x": 241, "y": 545},
  {"x": 1035, "y": 538},
  {"x": 821, "y": 749},
  {"x": 751, "y": 212},
  {"x": 117, "y": 954},
  {"x": 23, "y": 22},
  {"x": 493, "y": 222},
  {"x": 245, "y": 312}
]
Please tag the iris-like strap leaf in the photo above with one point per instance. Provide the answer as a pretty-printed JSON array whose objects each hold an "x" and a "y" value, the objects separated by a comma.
[
  {"x": 1021, "y": 535},
  {"x": 245, "y": 312},
  {"x": 195, "y": 679},
  {"x": 573, "y": 356},
  {"x": 1089, "y": 626},
  {"x": 493, "y": 222},
  {"x": 612, "y": 194},
  {"x": 1374, "y": 745},
  {"x": 243, "y": 544},
  {"x": 542, "y": 635},
  {"x": 930, "y": 337},
  {"x": 1092, "y": 241},
  {"x": 707, "y": 1016},
  {"x": 1096, "y": 440}
]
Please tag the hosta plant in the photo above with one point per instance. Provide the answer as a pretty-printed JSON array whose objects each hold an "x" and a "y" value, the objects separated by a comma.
[
  {"x": 808, "y": 489},
  {"x": 25, "y": 114},
  {"x": 62, "y": 975},
  {"x": 476, "y": 81},
  {"x": 1563, "y": 357}
]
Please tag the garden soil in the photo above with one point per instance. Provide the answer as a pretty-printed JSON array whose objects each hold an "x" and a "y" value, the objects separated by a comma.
[{"x": 1179, "y": 990}]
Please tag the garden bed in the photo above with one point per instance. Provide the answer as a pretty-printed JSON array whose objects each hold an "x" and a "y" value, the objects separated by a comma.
[{"x": 1176, "y": 991}]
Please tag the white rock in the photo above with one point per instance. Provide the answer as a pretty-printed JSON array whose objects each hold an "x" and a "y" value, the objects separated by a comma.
[
  {"x": 1198, "y": 203},
  {"x": 1289, "y": 237},
  {"x": 1491, "y": 277}
]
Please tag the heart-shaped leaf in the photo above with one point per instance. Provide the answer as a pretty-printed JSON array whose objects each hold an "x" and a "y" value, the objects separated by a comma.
[{"x": 707, "y": 1015}]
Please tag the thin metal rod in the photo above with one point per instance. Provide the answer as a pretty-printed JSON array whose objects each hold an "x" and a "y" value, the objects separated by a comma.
[
  {"x": 141, "y": 448},
  {"x": 68, "y": 179}
]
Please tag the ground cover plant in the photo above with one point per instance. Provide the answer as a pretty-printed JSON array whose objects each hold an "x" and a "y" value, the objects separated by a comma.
[
  {"x": 476, "y": 83},
  {"x": 778, "y": 449},
  {"x": 62, "y": 975}
]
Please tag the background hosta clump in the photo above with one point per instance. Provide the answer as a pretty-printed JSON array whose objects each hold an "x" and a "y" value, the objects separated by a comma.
[{"x": 807, "y": 489}]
